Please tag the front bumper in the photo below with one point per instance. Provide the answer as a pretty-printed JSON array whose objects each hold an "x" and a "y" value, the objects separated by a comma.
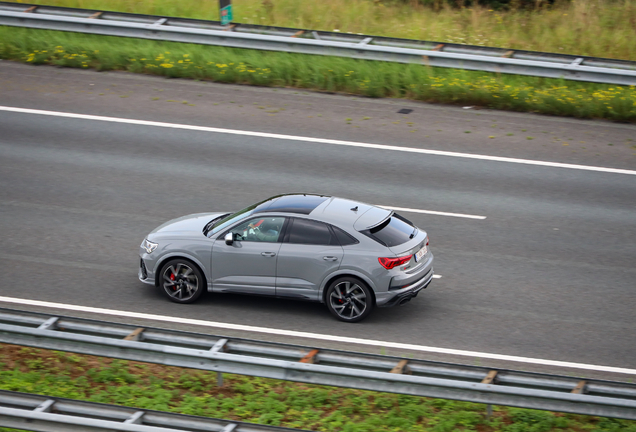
[
  {"x": 145, "y": 275},
  {"x": 405, "y": 294}
]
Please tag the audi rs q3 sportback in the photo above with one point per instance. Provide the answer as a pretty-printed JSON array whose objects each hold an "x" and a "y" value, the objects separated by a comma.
[{"x": 349, "y": 255}]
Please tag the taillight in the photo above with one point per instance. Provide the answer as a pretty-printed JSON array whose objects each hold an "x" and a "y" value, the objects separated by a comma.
[
  {"x": 426, "y": 240},
  {"x": 389, "y": 263}
]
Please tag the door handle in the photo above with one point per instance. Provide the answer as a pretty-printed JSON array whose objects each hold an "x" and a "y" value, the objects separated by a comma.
[
  {"x": 330, "y": 258},
  {"x": 268, "y": 254}
]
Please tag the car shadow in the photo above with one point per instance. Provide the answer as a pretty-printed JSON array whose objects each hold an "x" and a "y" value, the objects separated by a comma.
[{"x": 266, "y": 310}]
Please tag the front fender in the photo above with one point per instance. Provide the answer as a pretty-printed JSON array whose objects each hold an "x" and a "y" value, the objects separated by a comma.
[{"x": 180, "y": 254}]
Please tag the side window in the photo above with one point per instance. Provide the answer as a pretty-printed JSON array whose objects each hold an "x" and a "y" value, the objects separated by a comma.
[
  {"x": 259, "y": 229},
  {"x": 305, "y": 231},
  {"x": 344, "y": 238}
]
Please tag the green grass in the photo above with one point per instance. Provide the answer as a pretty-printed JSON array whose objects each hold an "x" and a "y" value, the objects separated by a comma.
[
  {"x": 332, "y": 74},
  {"x": 601, "y": 28},
  {"x": 266, "y": 401}
]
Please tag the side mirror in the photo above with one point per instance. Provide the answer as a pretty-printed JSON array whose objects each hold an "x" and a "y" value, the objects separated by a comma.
[{"x": 229, "y": 239}]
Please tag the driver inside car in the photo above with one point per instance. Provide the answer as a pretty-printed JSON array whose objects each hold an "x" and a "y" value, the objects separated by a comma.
[{"x": 262, "y": 230}]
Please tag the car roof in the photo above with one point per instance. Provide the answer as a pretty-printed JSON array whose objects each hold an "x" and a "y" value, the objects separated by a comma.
[
  {"x": 345, "y": 212},
  {"x": 291, "y": 203},
  {"x": 334, "y": 210}
]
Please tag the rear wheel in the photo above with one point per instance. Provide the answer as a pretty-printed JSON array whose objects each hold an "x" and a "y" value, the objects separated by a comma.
[
  {"x": 181, "y": 281},
  {"x": 349, "y": 299}
]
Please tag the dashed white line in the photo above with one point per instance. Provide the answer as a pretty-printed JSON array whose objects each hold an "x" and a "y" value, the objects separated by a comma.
[
  {"x": 319, "y": 140},
  {"x": 316, "y": 336}
]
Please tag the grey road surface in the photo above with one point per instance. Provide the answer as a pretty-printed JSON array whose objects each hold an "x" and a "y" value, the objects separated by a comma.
[{"x": 548, "y": 274}]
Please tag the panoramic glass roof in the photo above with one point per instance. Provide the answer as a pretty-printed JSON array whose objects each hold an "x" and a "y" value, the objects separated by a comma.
[{"x": 296, "y": 203}]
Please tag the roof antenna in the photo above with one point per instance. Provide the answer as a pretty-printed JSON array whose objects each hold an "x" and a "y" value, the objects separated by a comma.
[{"x": 355, "y": 209}]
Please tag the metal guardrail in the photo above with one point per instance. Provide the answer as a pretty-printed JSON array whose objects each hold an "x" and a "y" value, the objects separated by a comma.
[
  {"x": 53, "y": 414},
  {"x": 579, "y": 68},
  {"x": 327, "y": 367}
]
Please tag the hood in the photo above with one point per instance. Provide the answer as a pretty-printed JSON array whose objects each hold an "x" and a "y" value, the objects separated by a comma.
[{"x": 190, "y": 223}]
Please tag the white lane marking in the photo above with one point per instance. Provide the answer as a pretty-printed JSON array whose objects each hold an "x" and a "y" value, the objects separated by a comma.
[
  {"x": 437, "y": 276},
  {"x": 316, "y": 336},
  {"x": 459, "y": 215},
  {"x": 319, "y": 140}
]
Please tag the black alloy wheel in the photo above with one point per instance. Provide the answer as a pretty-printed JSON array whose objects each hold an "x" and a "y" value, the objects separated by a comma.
[
  {"x": 182, "y": 281},
  {"x": 349, "y": 299}
]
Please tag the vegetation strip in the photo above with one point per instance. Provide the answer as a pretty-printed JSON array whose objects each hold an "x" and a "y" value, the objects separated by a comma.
[
  {"x": 596, "y": 28},
  {"x": 367, "y": 78},
  {"x": 266, "y": 401}
]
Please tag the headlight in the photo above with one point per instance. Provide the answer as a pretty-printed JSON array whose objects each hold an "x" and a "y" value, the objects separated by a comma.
[{"x": 149, "y": 246}]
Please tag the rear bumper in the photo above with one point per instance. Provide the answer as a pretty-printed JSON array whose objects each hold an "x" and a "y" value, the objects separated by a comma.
[{"x": 404, "y": 295}]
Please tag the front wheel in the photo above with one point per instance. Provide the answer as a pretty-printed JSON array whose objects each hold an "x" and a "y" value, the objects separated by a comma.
[
  {"x": 181, "y": 281},
  {"x": 349, "y": 300}
]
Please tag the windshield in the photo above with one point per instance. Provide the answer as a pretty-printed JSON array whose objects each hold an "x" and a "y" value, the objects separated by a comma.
[{"x": 234, "y": 217}]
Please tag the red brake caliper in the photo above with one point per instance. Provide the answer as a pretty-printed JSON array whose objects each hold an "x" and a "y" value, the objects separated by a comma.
[{"x": 172, "y": 278}]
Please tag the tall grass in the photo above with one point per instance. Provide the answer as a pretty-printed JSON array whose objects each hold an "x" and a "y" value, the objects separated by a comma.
[
  {"x": 367, "y": 78},
  {"x": 600, "y": 28}
]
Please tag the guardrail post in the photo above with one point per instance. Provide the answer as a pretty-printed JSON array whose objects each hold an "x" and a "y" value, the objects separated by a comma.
[
  {"x": 45, "y": 406},
  {"x": 135, "y": 335},
  {"x": 49, "y": 324},
  {"x": 310, "y": 357},
  {"x": 136, "y": 418},
  {"x": 220, "y": 345},
  {"x": 401, "y": 368},
  {"x": 489, "y": 379},
  {"x": 580, "y": 387}
]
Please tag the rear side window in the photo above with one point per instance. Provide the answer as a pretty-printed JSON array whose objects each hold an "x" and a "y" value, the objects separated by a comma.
[
  {"x": 394, "y": 231},
  {"x": 303, "y": 231},
  {"x": 344, "y": 238}
]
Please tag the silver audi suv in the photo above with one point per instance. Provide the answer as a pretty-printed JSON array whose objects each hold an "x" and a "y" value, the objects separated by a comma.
[{"x": 347, "y": 254}]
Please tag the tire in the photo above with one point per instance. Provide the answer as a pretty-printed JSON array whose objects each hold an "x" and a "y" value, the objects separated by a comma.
[
  {"x": 349, "y": 299},
  {"x": 182, "y": 281}
]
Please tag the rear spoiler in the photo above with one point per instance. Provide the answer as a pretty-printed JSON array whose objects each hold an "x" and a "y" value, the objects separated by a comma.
[{"x": 381, "y": 221}]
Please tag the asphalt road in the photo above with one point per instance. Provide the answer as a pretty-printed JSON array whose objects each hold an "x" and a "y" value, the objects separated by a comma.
[{"x": 548, "y": 274}]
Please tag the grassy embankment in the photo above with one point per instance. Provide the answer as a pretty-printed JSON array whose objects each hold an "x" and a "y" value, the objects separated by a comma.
[
  {"x": 599, "y": 28},
  {"x": 266, "y": 401},
  {"x": 580, "y": 27}
]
